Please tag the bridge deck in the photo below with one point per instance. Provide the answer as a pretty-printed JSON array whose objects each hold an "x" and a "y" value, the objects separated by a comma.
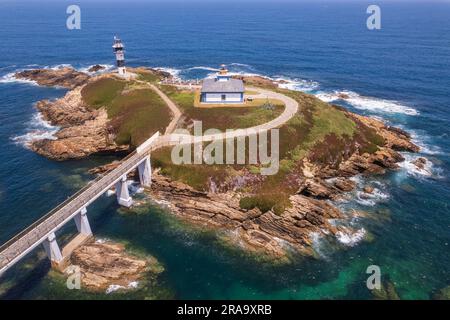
[{"x": 36, "y": 233}]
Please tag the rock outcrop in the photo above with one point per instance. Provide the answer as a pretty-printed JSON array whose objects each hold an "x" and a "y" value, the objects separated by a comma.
[
  {"x": 252, "y": 229},
  {"x": 83, "y": 131},
  {"x": 96, "y": 68},
  {"x": 107, "y": 264},
  {"x": 62, "y": 77}
]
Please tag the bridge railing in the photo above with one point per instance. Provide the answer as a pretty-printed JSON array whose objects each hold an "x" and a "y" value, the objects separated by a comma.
[
  {"x": 51, "y": 220},
  {"x": 58, "y": 215}
]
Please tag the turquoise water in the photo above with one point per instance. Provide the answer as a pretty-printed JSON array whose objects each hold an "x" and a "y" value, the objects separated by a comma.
[{"x": 400, "y": 74}]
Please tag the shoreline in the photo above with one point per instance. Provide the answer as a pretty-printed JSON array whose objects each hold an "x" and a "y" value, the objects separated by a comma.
[{"x": 315, "y": 192}]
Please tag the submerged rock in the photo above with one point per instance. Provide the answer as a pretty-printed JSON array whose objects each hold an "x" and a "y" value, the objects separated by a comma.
[
  {"x": 443, "y": 294},
  {"x": 386, "y": 292}
]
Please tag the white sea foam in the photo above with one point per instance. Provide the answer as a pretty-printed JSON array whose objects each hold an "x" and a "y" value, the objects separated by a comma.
[
  {"x": 38, "y": 129},
  {"x": 241, "y": 65},
  {"x": 174, "y": 72},
  {"x": 203, "y": 68},
  {"x": 113, "y": 287},
  {"x": 350, "y": 238},
  {"x": 101, "y": 240},
  {"x": 60, "y": 66},
  {"x": 371, "y": 199},
  {"x": 11, "y": 78},
  {"x": 411, "y": 169},
  {"x": 420, "y": 140},
  {"x": 317, "y": 244},
  {"x": 296, "y": 84},
  {"x": 367, "y": 103}
]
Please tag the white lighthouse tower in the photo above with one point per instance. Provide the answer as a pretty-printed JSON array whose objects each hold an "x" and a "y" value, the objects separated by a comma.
[{"x": 120, "y": 56}]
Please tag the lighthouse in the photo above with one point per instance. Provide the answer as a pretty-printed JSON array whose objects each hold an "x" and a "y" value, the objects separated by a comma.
[{"x": 120, "y": 56}]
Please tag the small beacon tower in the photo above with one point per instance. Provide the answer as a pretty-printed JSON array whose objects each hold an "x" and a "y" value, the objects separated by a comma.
[{"x": 120, "y": 56}]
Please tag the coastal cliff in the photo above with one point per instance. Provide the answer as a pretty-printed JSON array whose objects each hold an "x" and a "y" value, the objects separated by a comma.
[{"x": 87, "y": 126}]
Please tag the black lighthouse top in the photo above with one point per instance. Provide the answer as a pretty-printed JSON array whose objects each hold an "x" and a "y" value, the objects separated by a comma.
[{"x": 118, "y": 45}]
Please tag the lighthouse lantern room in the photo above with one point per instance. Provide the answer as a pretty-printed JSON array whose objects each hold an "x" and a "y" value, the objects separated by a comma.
[{"x": 118, "y": 49}]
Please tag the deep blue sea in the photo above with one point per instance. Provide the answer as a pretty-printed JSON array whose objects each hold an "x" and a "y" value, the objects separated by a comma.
[{"x": 400, "y": 73}]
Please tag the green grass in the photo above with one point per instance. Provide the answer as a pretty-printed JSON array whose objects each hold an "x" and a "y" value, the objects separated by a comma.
[
  {"x": 135, "y": 112},
  {"x": 149, "y": 77},
  {"x": 102, "y": 92},
  {"x": 318, "y": 131},
  {"x": 223, "y": 118}
]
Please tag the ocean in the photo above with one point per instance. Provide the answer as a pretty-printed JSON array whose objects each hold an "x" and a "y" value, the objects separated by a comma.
[{"x": 400, "y": 74}]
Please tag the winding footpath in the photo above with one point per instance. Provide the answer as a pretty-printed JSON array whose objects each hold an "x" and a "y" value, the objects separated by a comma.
[
  {"x": 24, "y": 242},
  {"x": 291, "y": 108}
]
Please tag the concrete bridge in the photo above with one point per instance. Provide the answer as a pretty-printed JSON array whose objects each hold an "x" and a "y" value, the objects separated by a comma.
[{"x": 75, "y": 208}]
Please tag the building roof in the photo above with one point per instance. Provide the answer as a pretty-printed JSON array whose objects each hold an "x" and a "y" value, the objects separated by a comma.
[{"x": 229, "y": 86}]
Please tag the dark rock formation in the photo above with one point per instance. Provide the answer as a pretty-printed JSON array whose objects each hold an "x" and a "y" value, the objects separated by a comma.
[{"x": 63, "y": 77}]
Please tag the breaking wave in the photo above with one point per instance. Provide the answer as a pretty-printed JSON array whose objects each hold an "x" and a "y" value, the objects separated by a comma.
[
  {"x": 297, "y": 84},
  {"x": 351, "y": 238},
  {"x": 367, "y": 103},
  {"x": 173, "y": 71},
  {"x": 38, "y": 129},
  {"x": 411, "y": 169},
  {"x": 204, "y": 68},
  {"x": 11, "y": 78}
]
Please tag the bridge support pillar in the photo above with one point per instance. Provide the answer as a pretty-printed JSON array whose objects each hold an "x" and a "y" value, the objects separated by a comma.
[
  {"x": 52, "y": 249},
  {"x": 82, "y": 222},
  {"x": 122, "y": 193},
  {"x": 145, "y": 172}
]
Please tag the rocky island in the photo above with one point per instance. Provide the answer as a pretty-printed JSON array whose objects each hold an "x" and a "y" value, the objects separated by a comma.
[
  {"x": 106, "y": 266},
  {"x": 322, "y": 147}
]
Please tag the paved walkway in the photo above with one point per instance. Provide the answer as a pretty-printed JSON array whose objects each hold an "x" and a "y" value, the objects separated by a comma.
[
  {"x": 17, "y": 247},
  {"x": 291, "y": 108}
]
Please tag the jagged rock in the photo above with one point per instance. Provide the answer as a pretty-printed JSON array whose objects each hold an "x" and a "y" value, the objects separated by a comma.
[
  {"x": 107, "y": 263},
  {"x": 84, "y": 131},
  {"x": 253, "y": 229},
  {"x": 63, "y": 77},
  {"x": 344, "y": 184},
  {"x": 395, "y": 138},
  {"x": 343, "y": 96},
  {"x": 96, "y": 68},
  {"x": 386, "y": 292},
  {"x": 317, "y": 189},
  {"x": 420, "y": 163},
  {"x": 443, "y": 294},
  {"x": 368, "y": 189}
]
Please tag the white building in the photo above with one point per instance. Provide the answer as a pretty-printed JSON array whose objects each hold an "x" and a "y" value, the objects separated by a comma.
[{"x": 222, "y": 89}]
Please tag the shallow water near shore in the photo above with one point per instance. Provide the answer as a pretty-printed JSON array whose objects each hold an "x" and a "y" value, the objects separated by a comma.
[{"x": 395, "y": 74}]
